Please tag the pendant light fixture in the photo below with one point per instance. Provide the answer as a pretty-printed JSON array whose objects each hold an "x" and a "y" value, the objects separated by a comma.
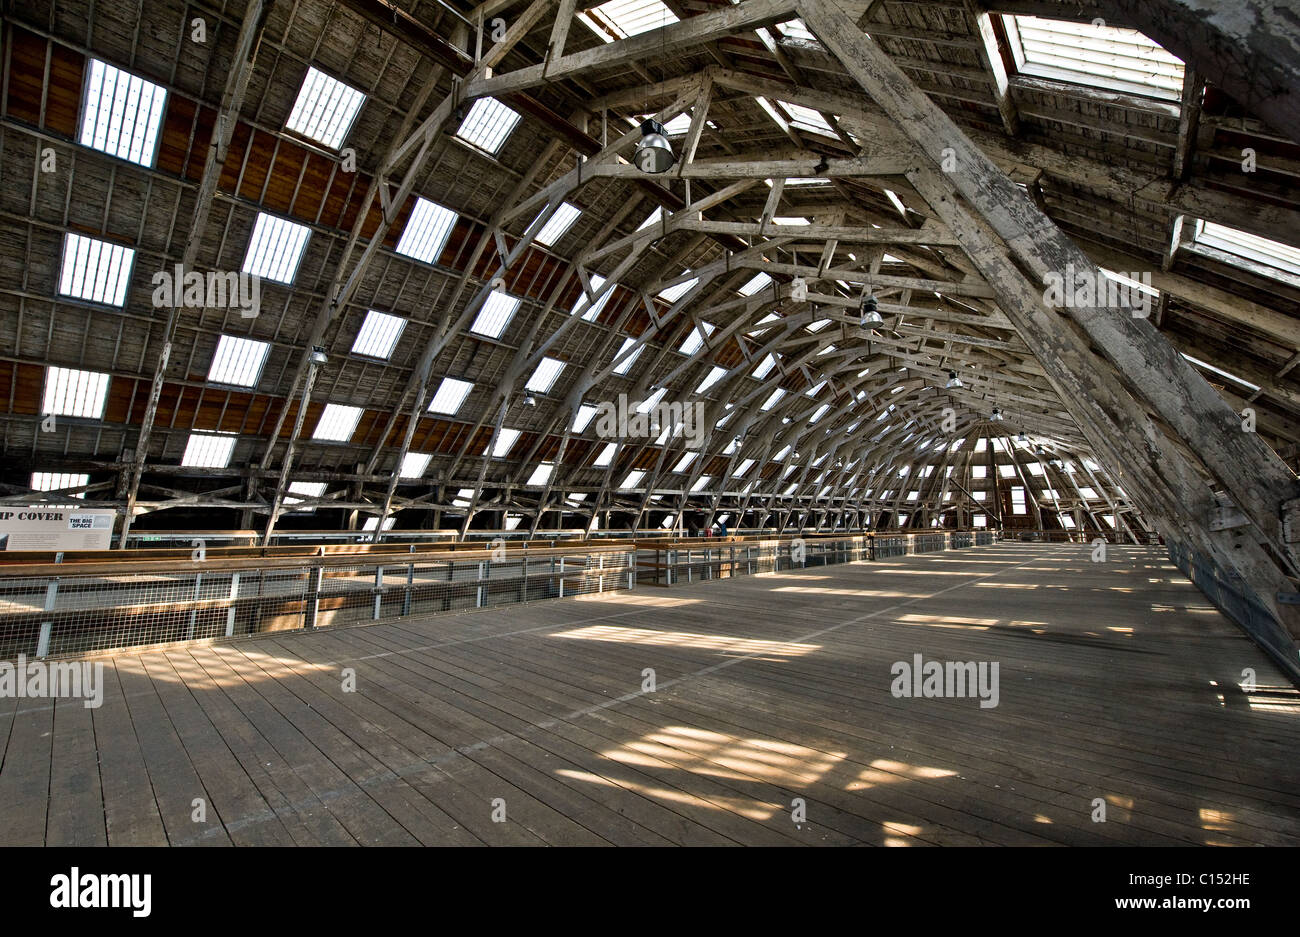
[
  {"x": 954, "y": 382},
  {"x": 654, "y": 154},
  {"x": 996, "y": 415},
  {"x": 870, "y": 315}
]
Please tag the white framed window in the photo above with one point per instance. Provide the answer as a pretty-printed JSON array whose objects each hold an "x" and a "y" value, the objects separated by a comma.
[
  {"x": 414, "y": 465},
  {"x": 324, "y": 109},
  {"x": 606, "y": 455},
  {"x": 755, "y": 283},
  {"x": 337, "y": 422},
  {"x": 559, "y": 223},
  {"x": 122, "y": 115},
  {"x": 545, "y": 375},
  {"x": 70, "y": 392},
  {"x": 619, "y": 19},
  {"x": 742, "y": 468},
  {"x": 378, "y": 335},
  {"x": 773, "y": 399},
  {"x": 238, "y": 361},
  {"x": 1104, "y": 57},
  {"x": 505, "y": 442},
  {"x": 373, "y": 522},
  {"x": 695, "y": 340},
  {"x": 764, "y": 367},
  {"x": 450, "y": 394},
  {"x": 541, "y": 475},
  {"x": 208, "y": 450},
  {"x": 1018, "y": 505},
  {"x": 426, "y": 231},
  {"x": 785, "y": 114},
  {"x": 685, "y": 462},
  {"x": 625, "y": 364},
  {"x": 1247, "y": 246},
  {"x": 819, "y": 413},
  {"x": 678, "y": 290},
  {"x": 487, "y": 125},
  {"x": 715, "y": 374},
  {"x": 495, "y": 314},
  {"x": 584, "y": 416},
  {"x": 276, "y": 248},
  {"x": 306, "y": 489},
  {"x": 591, "y": 310},
  {"x": 59, "y": 481},
  {"x": 701, "y": 483},
  {"x": 94, "y": 270},
  {"x": 632, "y": 480}
]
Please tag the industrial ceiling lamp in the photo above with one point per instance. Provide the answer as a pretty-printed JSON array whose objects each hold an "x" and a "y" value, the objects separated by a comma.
[
  {"x": 954, "y": 382},
  {"x": 1021, "y": 436},
  {"x": 870, "y": 315},
  {"x": 996, "y": 415},
  {"x": 654, "y": 153},
  {"x": 530, "y": 400},
  {"x": 1039, "y": 450},
  {"x": 318, "y": 355}
]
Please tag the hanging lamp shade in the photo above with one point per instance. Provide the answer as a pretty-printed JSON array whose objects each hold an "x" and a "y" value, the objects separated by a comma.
[
  {"x": 654, "y": 154},
  {"x": 995, "y": 416},
  {"x": 954, "y": 381},
  {"x": 870, "y": 315}
]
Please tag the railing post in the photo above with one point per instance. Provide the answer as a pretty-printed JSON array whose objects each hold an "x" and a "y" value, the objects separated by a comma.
[
  {"x": 379, "y": 594},
  {"x": 315, "y": 577},
  {"x": 51, "y": 596},
  {"x": 234, "y": 598}
]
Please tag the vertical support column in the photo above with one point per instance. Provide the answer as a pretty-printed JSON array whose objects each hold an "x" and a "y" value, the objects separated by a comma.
[
  {"x": 51, "y": 597},
  {"x": 233, "y": 599}
]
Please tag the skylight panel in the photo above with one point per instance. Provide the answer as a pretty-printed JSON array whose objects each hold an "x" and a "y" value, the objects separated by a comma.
[
  {"x": 820, "y": 412},
  {"x": 513, "y": 521},
  {"x": 790, "y": 220},
  {"x": 714, "y": 375},
  {"x": 795, "y": 29},
  {"x": 96, "y": 271},
  {"x": 794, "y": 486},
  {"x": 1248, "y": 246},
  {"x": 653, "y": 218},
  {"x": 1007, "y": 471},
  {"x": 59, "y": 481},
  {"x": 426, "y": 231},
  {"x": 1222, "y": 373},
  {"x": 506, "y": 440},
  {"x": 325, "y": 109},
  {"x": 378, "y": 335},
  {"x": 495, "y": 314},
  {"x": 685, "y": 462},
  {"x": 785, "y": 451},
  {"x": 307, "y": 489},
  {"x": 464, "y": 498},
  {"x": 619, "y": 19},
  {"x": 337, "y": 422},
  {"x": 806, "y": 118},
  {"x": 815, "y": 389},
  {"x": 414, "y": 465},
  {"x": 1097, "y": 56},
  {"x": 541, "y": 475},
  {"x": 450, "y": 395},
  {"x": 544, "y": 377},
  {"x": 742, "y": 468},
  {"x": 626, "y": 364},
  {"x": 487, "y": 125},
  {"x": 632, "y": 480},
  {"x": 677, "y": 291},
  {"x": 276, "y": 248},
  {"x": 645, "y": 406},
  {"x": 773, "y": 399},
  {"x": 764, "y": 367},
  {"x": 559, "y": 223},
  {"x": 756, "y": 283},
  {"x": 373, "y": 522},
  {"x": 238, "y": 361},
  {"x": 123, "y": 114},
  {"x": 695, "y": 339},
  {"x": 701, "y": 483},
  {"x": 606, "y": 455},
  {"x": 592, "y": 309},
  {"x": 69, "y": 392},
  {"x": 584, "y": 416},
  {"x": 208, "y": 450}
]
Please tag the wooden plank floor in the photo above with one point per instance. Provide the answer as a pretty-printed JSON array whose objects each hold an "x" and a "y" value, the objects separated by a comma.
[{"x": 1117, "y": 681}]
